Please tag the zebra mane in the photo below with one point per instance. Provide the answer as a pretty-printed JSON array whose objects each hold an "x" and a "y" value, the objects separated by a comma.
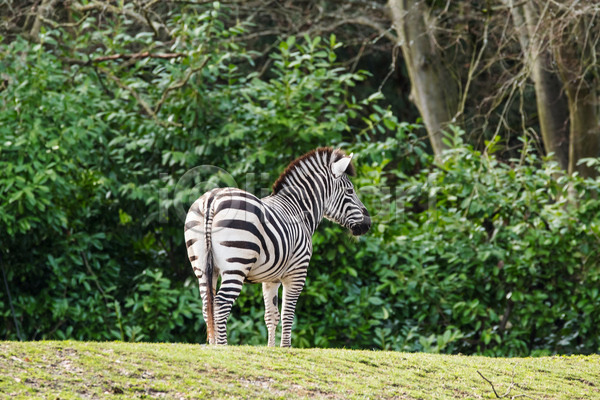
[{"x": 331, "y": 155}]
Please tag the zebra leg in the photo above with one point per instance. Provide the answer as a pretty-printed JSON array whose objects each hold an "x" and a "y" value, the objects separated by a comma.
[
  {"x": 231, "y": 286},
  {"x": 270, "y": 293},
  {"x": 291, "y": 291}
]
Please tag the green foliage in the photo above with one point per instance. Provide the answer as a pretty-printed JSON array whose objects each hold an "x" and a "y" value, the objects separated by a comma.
[
  {"x": 467, "y": 253},
  {"x": 479, "y": 255},
  {"x": 302, "y": 105},
  {"x": 92, "y": 154},
  {"x": 88, "y": 150}
]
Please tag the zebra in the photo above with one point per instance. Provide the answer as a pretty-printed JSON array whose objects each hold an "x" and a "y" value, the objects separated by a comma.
[{"x": 235, "y": 235}]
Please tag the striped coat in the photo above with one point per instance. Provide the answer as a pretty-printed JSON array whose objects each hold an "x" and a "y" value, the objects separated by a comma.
[{"x": 238, "y": 237}]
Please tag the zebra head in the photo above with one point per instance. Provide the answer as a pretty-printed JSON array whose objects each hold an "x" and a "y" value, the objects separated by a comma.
[{"x": 344, "y": 206}]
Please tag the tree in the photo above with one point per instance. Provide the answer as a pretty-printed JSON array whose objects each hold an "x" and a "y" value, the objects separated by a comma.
[
  {"x": 451, "y": 50},
  {"x": 538, "y": 61},
  {"x": 573, "y": 29},
  {"x": 434, "y": 91}
]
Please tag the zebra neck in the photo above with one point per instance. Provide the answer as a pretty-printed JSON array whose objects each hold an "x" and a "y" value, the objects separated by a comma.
[{"x": 300, "y": 205}]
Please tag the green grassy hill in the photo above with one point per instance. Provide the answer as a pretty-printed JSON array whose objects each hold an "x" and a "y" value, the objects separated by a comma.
[{"x": 69, "y": 370}]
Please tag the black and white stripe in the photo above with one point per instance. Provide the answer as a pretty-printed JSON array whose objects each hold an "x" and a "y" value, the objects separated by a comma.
[{"x": 238, "y": 237}]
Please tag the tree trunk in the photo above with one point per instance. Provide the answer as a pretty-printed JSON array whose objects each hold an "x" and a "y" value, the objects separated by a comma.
[
  {"x": 585, "y": 132},
  {"x": 580, "y": 86},
  {"x": 551, "y": 102},
  {"x": 434, "y": 91},
  {"x": 43, "y": 11}
]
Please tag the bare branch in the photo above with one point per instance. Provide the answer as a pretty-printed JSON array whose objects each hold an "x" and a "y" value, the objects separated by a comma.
[
  {"x": 382, "y": 31},
  {"x": 55, "y": 24},
  {"x": 491, "y": 384},
  {"x": 473, "y": 67},
  {"x": 137, "y": 96},
  {"x": 44, "y": 10},
  {"x": 131, "y": 56},
  {"x": 106, "y": 6},
  {"x": 135, "y": 56},
  {"x": 510, "y": 387},
  {"x": 178, "y": 85}
]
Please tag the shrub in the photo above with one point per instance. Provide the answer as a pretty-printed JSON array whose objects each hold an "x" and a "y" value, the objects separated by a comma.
[
  {"x": 92, "y": 152},
  {"x": 479, "y": 256}
]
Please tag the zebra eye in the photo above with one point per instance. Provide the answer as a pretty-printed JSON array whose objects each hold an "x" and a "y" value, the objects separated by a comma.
[{"x": 350, "y": 191}]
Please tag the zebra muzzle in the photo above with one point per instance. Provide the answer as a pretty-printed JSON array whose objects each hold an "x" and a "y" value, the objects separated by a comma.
[{"x": 362, "y": 227}]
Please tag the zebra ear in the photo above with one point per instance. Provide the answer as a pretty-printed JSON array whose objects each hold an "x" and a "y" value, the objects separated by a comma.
[{"x": 339, "y": 167}]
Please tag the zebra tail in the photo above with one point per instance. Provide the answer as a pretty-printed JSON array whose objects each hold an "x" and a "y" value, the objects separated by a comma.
[{"x": 210, "y": 323}]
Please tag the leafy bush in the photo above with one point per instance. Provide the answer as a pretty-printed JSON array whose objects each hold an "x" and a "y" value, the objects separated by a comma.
[
  {"x": 93, "y": 151},
  {"x": 475, "y": 256}
]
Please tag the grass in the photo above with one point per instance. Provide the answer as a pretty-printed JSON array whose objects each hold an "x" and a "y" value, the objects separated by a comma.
[{"x": 73, "y": 370}]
